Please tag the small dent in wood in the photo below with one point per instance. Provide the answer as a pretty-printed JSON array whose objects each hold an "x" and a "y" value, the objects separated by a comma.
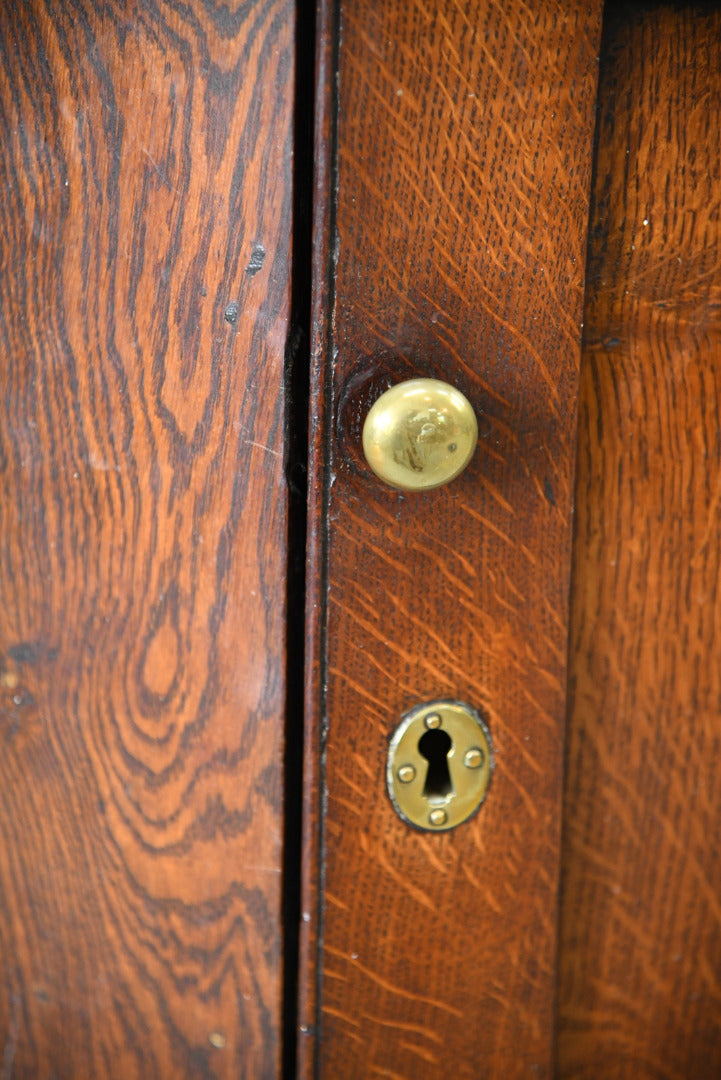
[
  {"x": 18, "y": 705},
  {"x": 231, "y": 312},
  {"x": 30, "y": 652},
  {"x": 257, "y": 259}
]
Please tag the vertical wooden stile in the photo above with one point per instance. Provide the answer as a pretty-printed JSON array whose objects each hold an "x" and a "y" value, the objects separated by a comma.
[
  {"x": 455, "y": 146},
  {"x": 640, "y": 968}
]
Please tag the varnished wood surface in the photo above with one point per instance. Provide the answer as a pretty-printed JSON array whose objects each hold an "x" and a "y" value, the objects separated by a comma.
[
  {"x": 312, "y": 803},
  {"x": 144, "y": 298},
  {"x": 640, "y": 970},
  {"x": 453, "y": 245}
]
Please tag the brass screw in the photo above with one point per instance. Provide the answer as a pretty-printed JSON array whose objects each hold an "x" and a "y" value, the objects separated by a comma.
[
  {"x": 473, "y": 758},
  {"x": 433, "y": 720},
  {"x": 438, "y": 817},
  {"x": 406, "y": 773}
]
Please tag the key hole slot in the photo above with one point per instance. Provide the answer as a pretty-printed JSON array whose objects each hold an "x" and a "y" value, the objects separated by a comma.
[{"x": 435, "y": 746}]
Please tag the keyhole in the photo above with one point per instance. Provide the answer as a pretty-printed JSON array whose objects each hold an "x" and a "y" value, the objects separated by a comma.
[{"x": 435, "y": 746}]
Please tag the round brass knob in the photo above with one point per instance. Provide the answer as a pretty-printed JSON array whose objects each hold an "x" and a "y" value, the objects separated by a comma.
[{"x": 419, "y": 434}]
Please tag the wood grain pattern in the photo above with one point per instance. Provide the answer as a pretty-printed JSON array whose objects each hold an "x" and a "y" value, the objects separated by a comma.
[
  {"x": 144, "y": 298},
  {"x": 453, "y": 244},
  {"x": 641, "y": 929}
]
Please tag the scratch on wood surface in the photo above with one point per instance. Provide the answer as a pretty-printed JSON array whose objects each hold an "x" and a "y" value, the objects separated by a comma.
[
  {"x": 400, "y": 1025},
  {"x": 420, "y": 1051},
  {"x": 262, "y": 446},
  {"x": 398, "y": 991}
]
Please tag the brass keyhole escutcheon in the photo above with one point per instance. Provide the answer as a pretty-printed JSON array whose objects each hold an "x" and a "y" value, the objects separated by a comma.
[{"x": 440, "y": 763}]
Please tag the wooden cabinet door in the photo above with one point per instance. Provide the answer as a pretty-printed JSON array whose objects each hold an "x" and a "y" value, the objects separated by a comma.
[
  {"x": 455, "y": 150},
  {"x": 145, "y": 224},
  {"x": 455, "y": 146}
]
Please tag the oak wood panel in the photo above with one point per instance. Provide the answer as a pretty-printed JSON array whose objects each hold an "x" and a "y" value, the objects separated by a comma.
[
  {"x": 459, "y": 144},
  {"x": 145, "y": 210},
  {"x": 640, "y": 969}
]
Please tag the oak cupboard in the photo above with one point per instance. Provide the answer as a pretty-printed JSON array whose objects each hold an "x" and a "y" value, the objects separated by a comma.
[{"x": 200, "y": 877}]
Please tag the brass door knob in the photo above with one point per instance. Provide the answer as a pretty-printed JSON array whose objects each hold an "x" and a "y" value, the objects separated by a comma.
[{"x": 419, "y": 434}]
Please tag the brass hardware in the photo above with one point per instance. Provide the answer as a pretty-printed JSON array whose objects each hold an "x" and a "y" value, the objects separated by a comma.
[
  {"x": 473, "y": 758},
  {"x": 439, "y": 765},
  {"x": 419, "y": 434}
]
